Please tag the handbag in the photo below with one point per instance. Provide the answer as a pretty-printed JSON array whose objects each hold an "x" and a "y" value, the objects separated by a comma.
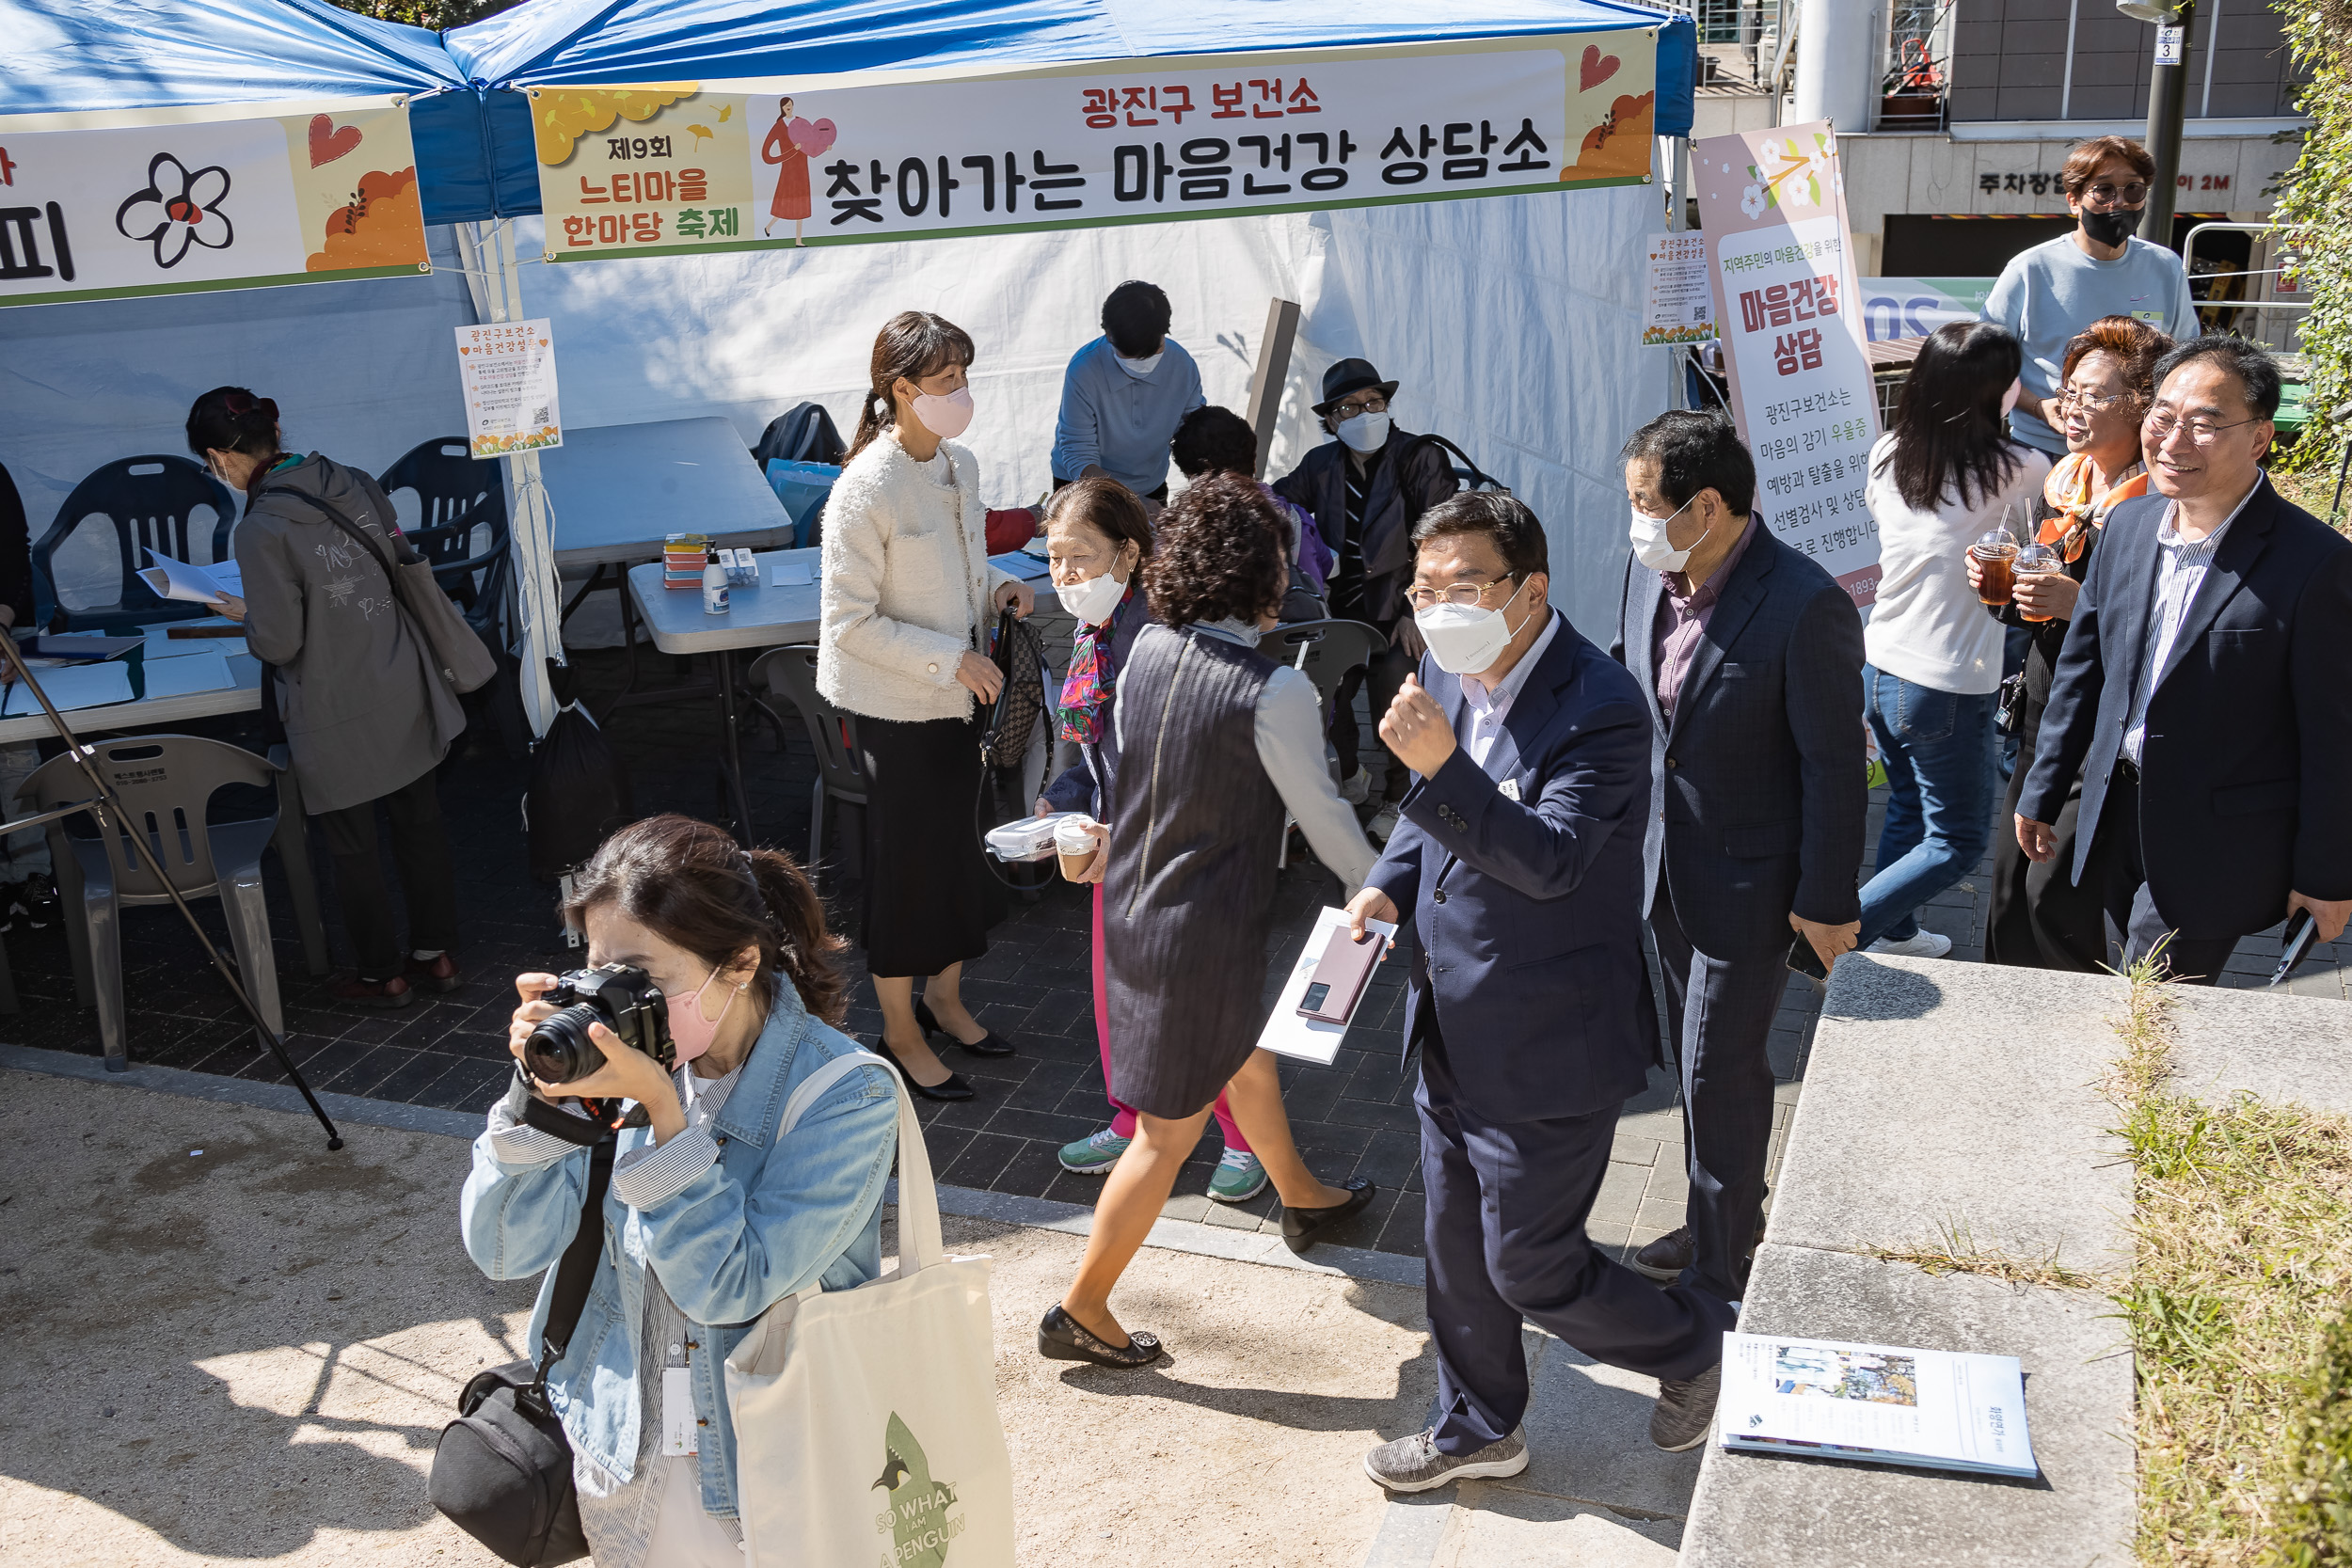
[
  {"x": 866, "y": 1425},
  {"x": 455, "y": 648},
  {"x": 502, "y": 1470},
  {"x": 1012, "y": 717}
]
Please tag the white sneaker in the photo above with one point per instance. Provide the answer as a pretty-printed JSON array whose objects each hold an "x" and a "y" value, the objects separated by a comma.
[
  {"x": 1922, "y": 943},
  {"x": 1382, "y": 825},
  {"x": 1356, "y": 791}
]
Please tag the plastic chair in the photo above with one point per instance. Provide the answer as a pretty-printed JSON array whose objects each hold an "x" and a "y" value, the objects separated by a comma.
[
  {"x": 456, "y": 494},
  {"x": 1324, "y": 650},
  {"x": 164, "y": 782},
  {"x": 151, "y": 503},
  {"x": 790, "y": 673}
]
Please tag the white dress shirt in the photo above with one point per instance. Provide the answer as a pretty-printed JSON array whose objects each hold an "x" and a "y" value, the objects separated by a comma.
[
  {"x": 1484, "y": 710},
  {"x": 2180, "y": 569}
]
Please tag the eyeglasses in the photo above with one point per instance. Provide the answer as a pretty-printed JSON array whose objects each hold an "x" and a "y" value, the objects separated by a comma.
[
  {"x": 1465, "y": 594},
  {"x": 2159, "y": 427},
  {"x": 1352, "y": 407},
  {"x": 2089, "y": 403},
  {"x": 2106, "y": 195}
]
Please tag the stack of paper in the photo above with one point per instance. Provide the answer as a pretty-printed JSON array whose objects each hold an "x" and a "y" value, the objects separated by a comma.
[
  {"x": 683, "y": 557},
  {"x": 73, "y": 686},
  {"x": 207, "y": 671},
  {"x": 1938, "y": 1410},
  {"x": 177, "y": 579}
]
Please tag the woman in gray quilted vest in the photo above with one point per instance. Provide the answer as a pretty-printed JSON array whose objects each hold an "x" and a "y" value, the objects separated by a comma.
[{"x": 1216, "y": 743}]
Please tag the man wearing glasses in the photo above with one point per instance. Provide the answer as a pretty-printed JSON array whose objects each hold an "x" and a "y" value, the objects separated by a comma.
[
  {"x": 2047, "y": 294},
  {"x": 2201, "y": 686},
  {"x": 1366, "y": 490}
]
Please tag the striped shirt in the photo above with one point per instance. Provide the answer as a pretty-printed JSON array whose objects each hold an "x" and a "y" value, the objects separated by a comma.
[{"x": 2181, "y": 565}]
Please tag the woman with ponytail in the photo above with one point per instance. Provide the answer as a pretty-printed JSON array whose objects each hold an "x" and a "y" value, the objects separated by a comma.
[
  {"x": 908, "y": 601},
  {"x": 368, "y": 716},
  {"x": 717, "y": 1213}
]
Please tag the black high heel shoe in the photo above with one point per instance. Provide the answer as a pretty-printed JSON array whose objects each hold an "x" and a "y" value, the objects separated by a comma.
[
  {"x": 1300, "y": 1225},
  {"x": 1063, "y": 1338},
  {"x": 990, "y": 1044},
  {"x": 954, "y": 1087}
]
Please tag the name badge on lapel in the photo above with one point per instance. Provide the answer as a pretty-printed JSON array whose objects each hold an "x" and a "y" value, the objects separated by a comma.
[{"x": 1509, "y": 789}]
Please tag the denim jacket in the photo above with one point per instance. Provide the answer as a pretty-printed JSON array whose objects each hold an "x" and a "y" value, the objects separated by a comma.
[{"x": 758, "y": 1224}]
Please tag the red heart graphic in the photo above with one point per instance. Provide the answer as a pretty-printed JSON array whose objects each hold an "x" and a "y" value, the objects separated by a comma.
[
  {"x": 328, "y": 142},
  {"x": 813, "y": 139},
  {"x": 1596, "y": 67}
]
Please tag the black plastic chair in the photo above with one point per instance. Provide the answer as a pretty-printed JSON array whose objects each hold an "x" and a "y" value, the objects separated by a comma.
[
  {"x": 457, "y": 498},
  {"x": 790, "y": 673},
  {"x": 151, "y": 502}
]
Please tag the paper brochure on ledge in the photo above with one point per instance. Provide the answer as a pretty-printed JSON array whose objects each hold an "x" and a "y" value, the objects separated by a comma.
[
  {"x": 1828, "y": 1399},
  {"x": 1286, "y": 1034}
]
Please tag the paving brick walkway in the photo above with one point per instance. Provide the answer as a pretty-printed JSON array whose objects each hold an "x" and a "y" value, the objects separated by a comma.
[{"x": 1353, "y": 1117}]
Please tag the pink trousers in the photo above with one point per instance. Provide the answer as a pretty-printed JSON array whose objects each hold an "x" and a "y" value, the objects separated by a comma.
[{"x": 1123, "y": 1121}]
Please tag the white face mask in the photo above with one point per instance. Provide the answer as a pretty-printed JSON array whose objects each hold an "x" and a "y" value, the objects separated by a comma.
[
  {"x": 945, "y": 418},
  {"x": 1650, "y": 545},
  {"x": 1365, "y": 433},
  {"x": 1466, "y": 639},
  {"x": 1092, "y": 600},
  {"x": 1140, "y": 368}
]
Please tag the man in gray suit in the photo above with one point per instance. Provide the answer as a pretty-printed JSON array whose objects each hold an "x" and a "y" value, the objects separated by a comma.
[{"x": 1750, "y": 657}]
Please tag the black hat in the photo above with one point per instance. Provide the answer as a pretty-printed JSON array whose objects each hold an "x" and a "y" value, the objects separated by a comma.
[{"x": 1351, "y": 375}]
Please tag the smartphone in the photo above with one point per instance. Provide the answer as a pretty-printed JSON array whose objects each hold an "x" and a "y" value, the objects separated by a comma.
[
  {"x": 1340, "y": 976},
  {"x": 2294, "y": 943},
  {"x": 1805, "y": 959}
]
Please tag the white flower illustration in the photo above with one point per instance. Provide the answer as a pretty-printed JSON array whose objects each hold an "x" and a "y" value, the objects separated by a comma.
[
  {"x": 179, "y": 207},
  {"x": 1752, "y": 201}
]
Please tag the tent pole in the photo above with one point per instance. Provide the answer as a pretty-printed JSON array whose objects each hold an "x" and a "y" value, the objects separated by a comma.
[
  {"x": 1678, "y": 208},
  {"x": 530, "y": 544},
  {"x": 1267, "y": 375}
]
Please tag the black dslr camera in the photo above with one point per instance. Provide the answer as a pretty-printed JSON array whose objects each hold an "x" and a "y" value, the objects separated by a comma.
[{"x": 619, "y": 996}]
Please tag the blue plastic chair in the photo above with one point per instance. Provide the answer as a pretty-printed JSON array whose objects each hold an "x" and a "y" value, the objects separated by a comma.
[
  {"x": 151, "y": 503},
  {"x": 458, "y": 496}
]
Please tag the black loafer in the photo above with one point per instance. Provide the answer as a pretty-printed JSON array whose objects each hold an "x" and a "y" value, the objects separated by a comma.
[
  {"x": 990, "y": 1044},
  {"x": 1063, "y": 1338},
  {"x": 954, "y": 1087},
  {"x": 1301, "y": 1226}
]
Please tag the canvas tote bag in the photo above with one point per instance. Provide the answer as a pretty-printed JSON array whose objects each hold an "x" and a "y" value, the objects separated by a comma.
[{"x": 865, "y": 1427}]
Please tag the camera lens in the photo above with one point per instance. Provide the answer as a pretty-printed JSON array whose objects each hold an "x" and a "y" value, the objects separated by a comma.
[{"x": 559, "y": 1050}]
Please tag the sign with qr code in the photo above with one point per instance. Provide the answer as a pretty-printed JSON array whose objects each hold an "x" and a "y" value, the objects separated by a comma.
[
  {"x": 1781, "y": 267},
  {"x": 1681, "y": 304},
  {"x": 508, "y": 369},
  {"x": 816, "y": 160}
]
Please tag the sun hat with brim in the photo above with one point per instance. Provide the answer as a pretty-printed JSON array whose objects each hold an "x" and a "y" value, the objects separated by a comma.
[{"x": 1351, "y": 375}]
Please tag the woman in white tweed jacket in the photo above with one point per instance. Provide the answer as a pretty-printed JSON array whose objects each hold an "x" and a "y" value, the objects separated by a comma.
[{"x": 908, "y": 602}]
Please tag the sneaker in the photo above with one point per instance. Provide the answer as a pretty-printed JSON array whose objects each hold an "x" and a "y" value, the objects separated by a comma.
[
  {"x": 1665, "y": 1258},
  {"x": 1239, "y": 1176},
  {"x": 1382, "y": 824},
  {"x": 1414, "y": 1464},
  {"x": 42, "y": 906},
  {"x": 1921, "y": 943},
  {"x": 1685, "y": 1410},
  {"x": 355, "y": 993},
  {"x": 1356, "y": 791},
  {"x": 1094, "y": 1154},
  {"x": 435, "y": 974}
]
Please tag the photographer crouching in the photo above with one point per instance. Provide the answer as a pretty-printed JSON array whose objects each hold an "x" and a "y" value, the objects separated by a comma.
[{"x": 713, "y": 996}]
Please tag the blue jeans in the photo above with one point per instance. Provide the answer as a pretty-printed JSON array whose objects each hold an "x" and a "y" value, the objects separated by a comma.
[{"x": 1938, "y": 749}]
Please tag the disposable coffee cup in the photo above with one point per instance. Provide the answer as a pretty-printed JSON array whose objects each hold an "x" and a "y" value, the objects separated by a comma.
[{"x": 1074, "y": 845}]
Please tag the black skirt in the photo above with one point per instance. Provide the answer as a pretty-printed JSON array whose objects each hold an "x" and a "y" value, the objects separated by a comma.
[{"x": 930, "y": 899}]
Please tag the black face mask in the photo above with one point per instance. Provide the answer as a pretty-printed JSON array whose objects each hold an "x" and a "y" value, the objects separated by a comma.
[{"x": 2111, "y": 229}]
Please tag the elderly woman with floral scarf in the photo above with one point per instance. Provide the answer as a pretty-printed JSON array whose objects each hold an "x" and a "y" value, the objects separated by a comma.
[
  {"x": 2039, "y": 918},
  {"x": 1097, "y": 537}
]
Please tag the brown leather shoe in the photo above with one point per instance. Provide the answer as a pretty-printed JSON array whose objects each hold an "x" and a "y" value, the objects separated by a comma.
[
  {"x": 435, "y": 974},
  {"x": 381, "y": 994}
]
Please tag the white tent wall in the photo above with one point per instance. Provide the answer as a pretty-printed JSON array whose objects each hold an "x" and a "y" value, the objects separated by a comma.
[{"x": 360, "y": 370}]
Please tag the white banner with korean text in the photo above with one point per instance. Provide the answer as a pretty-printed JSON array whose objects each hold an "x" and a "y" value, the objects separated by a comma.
[
  {"x": 1772, "y": 206},
  {"x": 105, "y": 204},
  {"x": 743, "y": 164}
]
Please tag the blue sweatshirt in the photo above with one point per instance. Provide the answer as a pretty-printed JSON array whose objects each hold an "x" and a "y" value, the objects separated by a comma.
[
  {"x": 2052, "y": 292},
  {"x": 1122, "y": 422}
]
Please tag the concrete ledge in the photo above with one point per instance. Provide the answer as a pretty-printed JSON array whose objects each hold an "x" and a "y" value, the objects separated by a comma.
[
  {"x": 2273, "y": 1046},
  {"x": 245, "y": 1091},
  {"x": 1767, "y": 1511},
  {"x": 1946, "y": 1097}
]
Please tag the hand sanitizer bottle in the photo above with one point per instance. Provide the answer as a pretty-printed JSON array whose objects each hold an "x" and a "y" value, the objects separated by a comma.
[{"x": 714, "y": 586}]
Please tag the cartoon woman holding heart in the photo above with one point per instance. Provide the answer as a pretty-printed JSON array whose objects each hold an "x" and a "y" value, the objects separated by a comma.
[{"x": 790, "y": 144}]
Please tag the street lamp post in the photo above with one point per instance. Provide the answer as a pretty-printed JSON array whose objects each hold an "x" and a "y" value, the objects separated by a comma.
[{"x": 2167, "y": 101}]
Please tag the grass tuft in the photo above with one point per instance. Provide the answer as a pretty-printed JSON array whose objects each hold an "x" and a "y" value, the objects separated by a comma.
[{"x": 1955, "y": 1251}]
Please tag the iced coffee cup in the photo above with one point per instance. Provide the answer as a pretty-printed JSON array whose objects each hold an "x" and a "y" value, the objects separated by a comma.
[{"x": 1075, "y": 845}]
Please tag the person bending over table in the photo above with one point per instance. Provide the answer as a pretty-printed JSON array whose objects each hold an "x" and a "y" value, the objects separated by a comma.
[
  {"x": 1216, "y": 740},
  {"x": 907, "y": 601},
  {"x": 368, "y": 716}
]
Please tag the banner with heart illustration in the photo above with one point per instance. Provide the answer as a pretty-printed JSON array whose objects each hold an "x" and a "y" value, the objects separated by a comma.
[
  {"x": 153, "y": 201},
  {"x": 743, "y": 164},
  {"x": 508, "y": 370}
]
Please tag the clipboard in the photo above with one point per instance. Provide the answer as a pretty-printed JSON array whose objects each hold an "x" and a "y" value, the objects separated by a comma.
[{"x": 1287, "y": 1034}]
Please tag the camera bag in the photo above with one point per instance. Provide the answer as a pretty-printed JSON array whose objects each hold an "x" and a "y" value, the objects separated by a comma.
[{"x": 502, "y": 1470}]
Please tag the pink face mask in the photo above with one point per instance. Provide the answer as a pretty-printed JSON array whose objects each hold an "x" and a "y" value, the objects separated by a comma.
[
  {"x": 947, "y": 417},
  {"x": 689, "y": 1031}
]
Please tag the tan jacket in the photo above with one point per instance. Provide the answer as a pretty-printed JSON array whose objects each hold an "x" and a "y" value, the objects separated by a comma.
[{"x": 906, "y": 587}]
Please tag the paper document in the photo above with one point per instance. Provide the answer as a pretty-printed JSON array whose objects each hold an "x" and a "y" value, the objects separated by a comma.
[
  {"x": 71, "y": 687},
  {"x": 177, "y": 579},
  {"x": 1310, "y": 1039},
  {"x": 180, "y": 677},
  {"x": 1939, "y": 1410}
]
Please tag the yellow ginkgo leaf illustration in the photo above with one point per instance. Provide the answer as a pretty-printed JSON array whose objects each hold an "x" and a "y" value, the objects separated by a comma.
[{"x": 702, "y": 130}]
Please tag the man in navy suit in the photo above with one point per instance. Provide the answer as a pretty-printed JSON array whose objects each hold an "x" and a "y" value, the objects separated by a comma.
[
  {"x": 1519, "y": 856},
  {"x": 1749, "y": 657},
  {"x": 2201, "y": 686}
]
